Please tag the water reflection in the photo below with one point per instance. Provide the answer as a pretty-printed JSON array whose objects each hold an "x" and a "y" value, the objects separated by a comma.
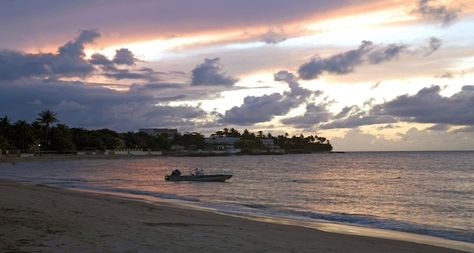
[{"x": 428, "y": 189}]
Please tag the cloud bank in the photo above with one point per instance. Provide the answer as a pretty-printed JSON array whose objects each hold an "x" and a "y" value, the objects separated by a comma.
[
  {"x": 426, "y": 106},
  {"x": 87, "y": 105},
  {"x": 264, "y": 108},
  {"x": 67, "y": 62},
  {"x": 70, "y": 61}
]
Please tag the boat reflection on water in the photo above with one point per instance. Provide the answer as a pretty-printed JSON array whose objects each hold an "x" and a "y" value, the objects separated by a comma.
[{"x": 198, "y": 176}]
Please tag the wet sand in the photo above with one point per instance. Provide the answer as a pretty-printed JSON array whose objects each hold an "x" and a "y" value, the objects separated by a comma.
[{"x": 36, "y": 218}]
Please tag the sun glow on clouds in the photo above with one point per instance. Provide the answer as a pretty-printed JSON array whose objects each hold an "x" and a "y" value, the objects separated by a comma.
[
  {"x": 180, "y": 46},
  {"x": 372, "y": 19},
  {"x": 155, "y": 49},
  {"x": 383, "y": 26}
]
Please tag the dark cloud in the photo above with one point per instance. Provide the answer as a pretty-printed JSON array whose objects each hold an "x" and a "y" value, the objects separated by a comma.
[
  {"x": 354, "y": 116},
  {"x": 93, "y": 106},
  {"x": 274, "y": 36},
  {"x": 346, "y": 111},
  {"x": 124, "y": 56},
  {"x": 433, "y": 45},
  {"x": 141, "y": 74},
  {"x": 103, "y": 61},
  {"x": 428, "y": 106},
  {"x": 315, "y": 114},
  {"x": 75, "y": 48},
  {"x": 264, "y": 108},
  {"x": 151, "y": 87},
  {"x": 385, "y": 53},
  {"x": 210, "y": 73},
  {"x": 258, "y": 109},
  {"x": 15, "y": 65},
  {"x": 295, "y": 88},
  {"x": 68, "y": 62},
  {"x": 366, "y": 53},
  {"x": 439, "y": 13},
  {"x": 342, "y": 63}
]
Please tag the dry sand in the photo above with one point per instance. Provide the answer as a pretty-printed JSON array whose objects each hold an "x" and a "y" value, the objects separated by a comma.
[{"x": 35, "y": 218}]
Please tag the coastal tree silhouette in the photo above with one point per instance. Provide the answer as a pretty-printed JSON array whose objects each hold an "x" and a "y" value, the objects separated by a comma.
[
  {"x": 23, "y": 135},
  {"x": 47, "y": 118}
]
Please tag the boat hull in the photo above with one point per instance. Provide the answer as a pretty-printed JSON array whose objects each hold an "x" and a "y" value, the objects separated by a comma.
[{"x": 202, "y": 178}]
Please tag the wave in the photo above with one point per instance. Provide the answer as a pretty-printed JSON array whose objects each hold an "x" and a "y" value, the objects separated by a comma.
[
  {"x": 131, "y": 191},
  {"x": 342, "y": 218}
]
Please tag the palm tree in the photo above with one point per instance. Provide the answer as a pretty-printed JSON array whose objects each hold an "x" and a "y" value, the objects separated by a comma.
[
  {"x": 5, "y": 125},
  {"x": 234, "y": 133},
  {"x": 23, "y": 134},
  {"x": 5, "y": 133},
  {"x": 47, "y": 118}
]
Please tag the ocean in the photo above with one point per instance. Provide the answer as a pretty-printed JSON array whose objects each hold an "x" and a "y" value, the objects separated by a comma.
[{"x": 429, "y": 193}]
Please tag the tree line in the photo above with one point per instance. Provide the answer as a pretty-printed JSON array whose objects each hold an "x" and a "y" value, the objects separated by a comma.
[
  {"x": 46, "y": 134},
  {"x": 294, "y": 144}
]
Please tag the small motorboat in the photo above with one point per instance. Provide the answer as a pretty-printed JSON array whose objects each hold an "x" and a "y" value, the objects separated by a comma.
[{"x": 198, "y": 176}]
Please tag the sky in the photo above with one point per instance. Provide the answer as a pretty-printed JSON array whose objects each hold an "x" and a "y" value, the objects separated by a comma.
[{"x": 368, "y": 75}]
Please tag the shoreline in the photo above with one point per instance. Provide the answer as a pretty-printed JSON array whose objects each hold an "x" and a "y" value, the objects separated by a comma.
[
  {"x": 65, "y": 157},
  {"x": 326, "y": 226},
  {"x": 49, "y": 219}
]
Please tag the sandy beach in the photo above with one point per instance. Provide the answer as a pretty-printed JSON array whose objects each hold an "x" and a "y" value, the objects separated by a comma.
[{"x": 37, "y": 218}]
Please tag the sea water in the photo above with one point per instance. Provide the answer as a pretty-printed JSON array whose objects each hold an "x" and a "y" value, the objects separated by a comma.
[{"x": 430, "y": 193}]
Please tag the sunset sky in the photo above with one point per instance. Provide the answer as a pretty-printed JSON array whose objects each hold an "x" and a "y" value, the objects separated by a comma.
[{"x": 368, "y": 75}]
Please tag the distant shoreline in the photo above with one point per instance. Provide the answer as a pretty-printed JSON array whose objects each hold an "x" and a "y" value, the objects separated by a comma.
[{"x": 61, "y": 157}]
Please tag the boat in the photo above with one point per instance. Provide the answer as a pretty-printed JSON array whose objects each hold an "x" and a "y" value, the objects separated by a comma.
[{"x": 199, "y": 176}]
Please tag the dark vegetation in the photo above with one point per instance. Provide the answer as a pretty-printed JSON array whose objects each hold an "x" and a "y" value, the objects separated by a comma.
[{"x": 47, "y": 135}]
